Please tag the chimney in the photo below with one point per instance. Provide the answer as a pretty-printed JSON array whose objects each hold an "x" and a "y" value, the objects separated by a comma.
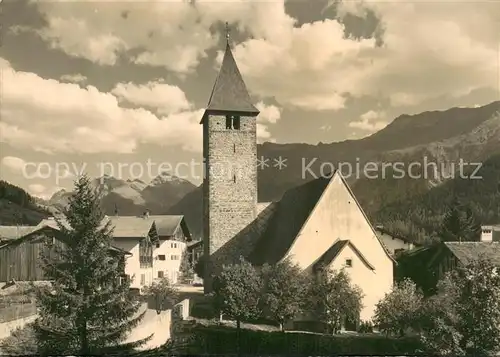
[
  {"x": 146, "y": 214},
  {"x": 487, "y": 233},
  {"x": 116, "y": 210}
]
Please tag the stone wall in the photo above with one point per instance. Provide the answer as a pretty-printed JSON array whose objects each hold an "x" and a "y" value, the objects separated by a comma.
[{"x": 230, "y": 185}]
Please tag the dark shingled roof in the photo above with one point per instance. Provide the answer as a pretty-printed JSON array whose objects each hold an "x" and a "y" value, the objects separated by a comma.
[
  {"x": 329, "y": 256},
  {"x": 466, "y": 252},
  {"x": 284, "y": 226},
  {"x": 230, "y": 92},
  {"x": 166, "y": 225}
]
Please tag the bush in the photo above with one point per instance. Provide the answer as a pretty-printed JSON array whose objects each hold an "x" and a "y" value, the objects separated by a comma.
[
  {"x": 399, "y": 310},
  {"x": 22, "y": 342},
  {"x": 222, "y": 340},
  {"x": 365, "y": 327}
]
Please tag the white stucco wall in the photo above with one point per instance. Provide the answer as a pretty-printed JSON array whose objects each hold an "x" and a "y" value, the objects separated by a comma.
[
  {"x": 170, "y": 267},
  {"x": 393, "y": 244},
  {"x": 132, "y": 263},
  {"x": 337, "y": 216}
]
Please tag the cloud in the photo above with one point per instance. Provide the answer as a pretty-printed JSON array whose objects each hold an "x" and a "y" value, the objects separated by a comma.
[
  {"x": 51, "y": 116},
  {"x": 13, "y": 163},
  {"x": 73, "y": 78},
  {"x": 269, "y": 115},
  {"x": 370, "y": 121},
  {"x": 316, "y": 67},
  {"x": 166, "y": 98},
  {"x": 42, "y": 191},
  {"x": 313, "y": 66}
]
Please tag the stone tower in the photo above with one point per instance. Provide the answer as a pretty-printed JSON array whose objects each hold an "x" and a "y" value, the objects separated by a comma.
[{"x": 230, "y": 154}]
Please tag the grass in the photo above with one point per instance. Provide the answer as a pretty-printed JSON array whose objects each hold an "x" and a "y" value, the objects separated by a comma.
[{"x": 212, "y": 339}]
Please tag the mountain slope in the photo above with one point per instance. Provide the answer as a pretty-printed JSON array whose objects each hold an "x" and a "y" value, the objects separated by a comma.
[
  {"x": 442, "y": 137},
  {"x": 133, "y": 197},
  {"x": 421, "y": 217},
  {"x": 17, "y": 207}
]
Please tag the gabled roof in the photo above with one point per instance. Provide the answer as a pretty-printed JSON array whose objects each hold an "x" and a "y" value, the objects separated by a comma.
[
  {"x": 167, "y": 225},
  {"x": 131, "y": 226},
  {"x": 43, "y": 229},
  {"x": 333, "y": 252},
  {"x": 382, "y": 230},
  {"x": 290, "y": 216},
  {"x": 286, "y": 221},
  {"x": 230, "y": 92},
  {"x": 14, "y": 232},
  {"x": 467, "y": 252},
  {"x": 124, "y": 226}
]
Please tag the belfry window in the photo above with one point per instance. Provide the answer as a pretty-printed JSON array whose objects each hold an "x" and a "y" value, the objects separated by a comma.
[{"x": 233, "y": 122}]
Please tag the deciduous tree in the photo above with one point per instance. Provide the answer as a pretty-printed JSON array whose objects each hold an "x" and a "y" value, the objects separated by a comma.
[
  {"x": 285, "y": 291},
  {"x": 238, "y": 292},
  {"x": 162, "y": 293},
  {"x": 335, "y": 298},
  {"x": 399, "y": 310}
]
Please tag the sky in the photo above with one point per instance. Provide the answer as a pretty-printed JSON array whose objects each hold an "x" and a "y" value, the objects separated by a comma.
[{"x": 119, "y": 87}]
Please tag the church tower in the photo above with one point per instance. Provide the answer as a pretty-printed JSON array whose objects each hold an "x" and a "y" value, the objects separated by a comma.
[{"x": 230, "y": 158}]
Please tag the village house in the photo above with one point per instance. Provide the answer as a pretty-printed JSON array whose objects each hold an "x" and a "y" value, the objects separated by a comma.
[
  {"x": 317, "y": 223},
  {"x": 394, "y": 243},
  {"x": 153, "y": 246},
  {"x": 490, "y": 233},
  {"x": 195, "y": 251},
  {"x": 427, "y": 265},
  {"x": 20, "y": 256}
]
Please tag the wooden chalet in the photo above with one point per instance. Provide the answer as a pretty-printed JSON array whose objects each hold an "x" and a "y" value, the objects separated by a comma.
[{"x": 20, "y": 258}]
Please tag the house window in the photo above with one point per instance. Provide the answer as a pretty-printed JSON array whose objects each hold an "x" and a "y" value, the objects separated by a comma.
[
  {"x": 173, "y": 245},
  {"x": 161, "y": 257},
  {"x": 160, "y": 274},
  {"x": 143, "y": 279},
  {"x": 233, "y": 122},
  {"x": 158, "y": 245},
  {"x": 174, "y": 257},
  {"x": 348, "y": 263}
]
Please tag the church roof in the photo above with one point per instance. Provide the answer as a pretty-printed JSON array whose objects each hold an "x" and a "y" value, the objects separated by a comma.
[
  {"x": 284, "y": 226},
  {"x": 290, "y": 216},
  {"x": 230, "y": 92},
  {"x": 329, "y": 256}
]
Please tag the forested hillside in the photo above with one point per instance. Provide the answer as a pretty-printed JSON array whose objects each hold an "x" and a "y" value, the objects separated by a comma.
[
  {"x": 420, "y": 217},
  {"x": 18, "y": 207}
]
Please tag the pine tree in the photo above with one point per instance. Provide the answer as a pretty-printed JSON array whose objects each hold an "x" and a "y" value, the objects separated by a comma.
[
  {"x": 87, "y": 309},
  {"x": 460, "y": 224}
]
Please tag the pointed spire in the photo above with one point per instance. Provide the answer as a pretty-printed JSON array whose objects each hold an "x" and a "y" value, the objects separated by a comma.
[{"x": 230, "y": 92}]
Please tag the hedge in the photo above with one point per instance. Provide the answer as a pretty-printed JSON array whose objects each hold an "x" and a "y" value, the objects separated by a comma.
[{"x": 223, "y": 340}]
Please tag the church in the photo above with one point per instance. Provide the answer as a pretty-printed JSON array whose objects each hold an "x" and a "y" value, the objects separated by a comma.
[{"x": 319, "y": 223}]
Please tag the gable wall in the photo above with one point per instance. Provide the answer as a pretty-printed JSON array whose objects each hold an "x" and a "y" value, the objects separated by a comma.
[
  {"x": 337, "y": 216},
  {"x": 392, "y": 243},
  {"x": 173, "y": 250},
  {"x": 132, "y": 263},
  {"x": 362, "y": 276}
]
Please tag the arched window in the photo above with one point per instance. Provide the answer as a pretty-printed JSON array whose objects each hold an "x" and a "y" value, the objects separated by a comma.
[{"x": 233, "y": 122}]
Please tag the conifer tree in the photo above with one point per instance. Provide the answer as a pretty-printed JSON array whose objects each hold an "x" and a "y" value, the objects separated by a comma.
[
  {"x": 460, "y": 224},
  {"x": 87, "y": 309}
]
